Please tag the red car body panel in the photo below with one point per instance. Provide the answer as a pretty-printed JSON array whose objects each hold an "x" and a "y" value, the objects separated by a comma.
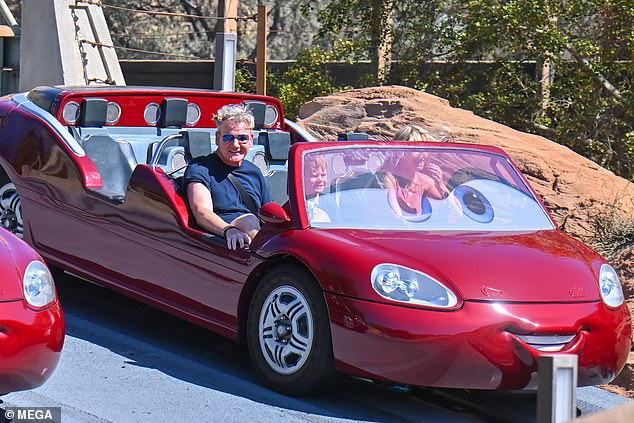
[
  {"x": 131, "y": 98},
  {"x": 507, "y": 285},
  {"x": 30, "y": 345},
  {"x": 142, "y": 248},
  {"x": 31, "y": 339},
  {"x": 467, "y": 349},
  {"x": 479, "y": 266}
]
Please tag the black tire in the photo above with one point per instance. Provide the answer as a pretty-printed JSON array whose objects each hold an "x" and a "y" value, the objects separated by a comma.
[
  {"x": 271, "y": 346},
  {"x": 10, "y": 206}
]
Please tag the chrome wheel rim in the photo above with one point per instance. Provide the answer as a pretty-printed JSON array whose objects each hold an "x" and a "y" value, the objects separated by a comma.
[
  {"x": 11, "y": 209},
  {"x": 286, "y": 330}
]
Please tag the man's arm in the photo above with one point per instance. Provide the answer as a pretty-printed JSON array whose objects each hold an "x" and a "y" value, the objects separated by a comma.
[{"x": 202, "y": 208}]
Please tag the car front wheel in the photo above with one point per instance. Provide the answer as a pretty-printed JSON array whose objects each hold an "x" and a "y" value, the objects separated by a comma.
[
  {"x": 288, "y": 332},
  {"x": 10, "y": 207}
]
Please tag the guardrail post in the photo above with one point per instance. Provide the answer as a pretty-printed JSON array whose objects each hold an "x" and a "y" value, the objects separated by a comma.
[{"x": 556, "y": 392}]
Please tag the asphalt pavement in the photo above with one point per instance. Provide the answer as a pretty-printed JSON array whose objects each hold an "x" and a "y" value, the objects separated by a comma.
[{"x": 126, "y": 362}]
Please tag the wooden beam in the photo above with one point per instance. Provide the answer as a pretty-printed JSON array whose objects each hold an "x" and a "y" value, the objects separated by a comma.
[
  {"x": 6, "y": 31},
  {"x": 227, "y": 9}
]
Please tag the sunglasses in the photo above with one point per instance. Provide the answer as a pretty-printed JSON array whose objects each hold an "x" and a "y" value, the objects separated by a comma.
[{"x": 242, "y": 138}]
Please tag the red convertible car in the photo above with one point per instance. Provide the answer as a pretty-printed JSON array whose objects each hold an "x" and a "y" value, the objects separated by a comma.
[
  {"x": 428, "y": 264},
  {"x": 31, "y": 319}
]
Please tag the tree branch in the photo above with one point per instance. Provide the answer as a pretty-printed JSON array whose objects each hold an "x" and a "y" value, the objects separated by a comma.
[
  {"x": 199, "y": 25},
  {"x": 611, "y": 89},
  {"x": 542, "y": 128}
]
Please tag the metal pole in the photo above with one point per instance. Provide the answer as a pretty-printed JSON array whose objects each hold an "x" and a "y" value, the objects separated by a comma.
[
  {"x": 225, "y": 62},
  {"x": 260, "y": 63},
  {"x": 226, "y": 46},
  {"x": 556, "y": 392}
]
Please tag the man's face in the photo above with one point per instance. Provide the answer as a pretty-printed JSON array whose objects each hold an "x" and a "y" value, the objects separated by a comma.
[{"x": 234, "y": 139}]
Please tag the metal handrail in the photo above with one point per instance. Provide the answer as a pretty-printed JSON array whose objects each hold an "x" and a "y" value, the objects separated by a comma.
[{"x": 156, "y": 154}]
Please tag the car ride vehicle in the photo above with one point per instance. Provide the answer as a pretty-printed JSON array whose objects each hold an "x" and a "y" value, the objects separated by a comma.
[
  {"x": 349, "y": 274},
  {"x": 31, "y": 318}
]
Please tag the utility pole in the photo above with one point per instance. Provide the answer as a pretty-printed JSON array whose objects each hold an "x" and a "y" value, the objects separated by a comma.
[
  {"x": 260, "y": 63},
  {"x": 226, "y": 46}
]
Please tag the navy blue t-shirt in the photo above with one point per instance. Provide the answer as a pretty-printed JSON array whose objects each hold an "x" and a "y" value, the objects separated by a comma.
[{"x": 212, "y": 172}]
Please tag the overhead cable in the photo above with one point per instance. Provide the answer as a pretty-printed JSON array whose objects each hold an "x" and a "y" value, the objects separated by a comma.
[{"x": 171, "y": 14}]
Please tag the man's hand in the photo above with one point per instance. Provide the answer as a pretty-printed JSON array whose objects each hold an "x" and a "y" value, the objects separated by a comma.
[{"x": 235, "y": 237}]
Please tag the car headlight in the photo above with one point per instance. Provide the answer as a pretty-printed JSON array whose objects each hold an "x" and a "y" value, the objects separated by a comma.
[
  {"x": 405, "y": 285},
  {"x": 39, "y": 288},
  {"x": 610, "y": 287}
]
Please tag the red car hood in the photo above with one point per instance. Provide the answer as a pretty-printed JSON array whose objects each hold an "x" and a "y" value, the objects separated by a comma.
[
  {"x": 544, "y": 266},
  {"x": 10, "y": 278}
]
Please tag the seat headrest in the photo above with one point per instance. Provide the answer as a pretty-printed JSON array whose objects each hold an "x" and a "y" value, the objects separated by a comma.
[
  {"x": 173, "y": 113},
  {"x": 258, "y": 108},
  {"x": 93, "y": 112},
  {"x": 276, "y": 144},
  {"x": 196, "y": 143},
  {"x": 353, "y": 136}
]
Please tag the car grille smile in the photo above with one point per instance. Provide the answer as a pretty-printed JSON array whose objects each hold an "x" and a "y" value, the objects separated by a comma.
[{"x": 546, "y": 343}]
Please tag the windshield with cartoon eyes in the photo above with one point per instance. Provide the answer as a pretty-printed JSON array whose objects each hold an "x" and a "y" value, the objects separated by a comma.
[{"x": 417, "y": 188}]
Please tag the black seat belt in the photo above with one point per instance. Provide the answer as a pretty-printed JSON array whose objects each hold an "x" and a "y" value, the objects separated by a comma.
[{"x": 244, "y": 195}]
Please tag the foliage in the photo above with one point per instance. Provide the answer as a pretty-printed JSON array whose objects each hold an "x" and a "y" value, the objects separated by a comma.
[
  {"x": 306, "y": 79},
  {"x": 146, "y": 36},
  {"x": 245, "y": 80},
  {"x": 501, "y": 50},
  {"x": 589, "y": 45},
  {"x": 612, "y": 232},
  {"x": 411, "y": 28}
]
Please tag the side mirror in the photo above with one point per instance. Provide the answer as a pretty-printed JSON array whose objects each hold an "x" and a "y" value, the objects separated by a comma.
[{"x": 274, "y": 214}]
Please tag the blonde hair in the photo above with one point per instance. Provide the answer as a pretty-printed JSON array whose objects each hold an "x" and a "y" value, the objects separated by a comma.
[
  {"x": 414, "y": 133},
  {"x": 317, "y": 163},
  {"x": 235, "y": 113}
]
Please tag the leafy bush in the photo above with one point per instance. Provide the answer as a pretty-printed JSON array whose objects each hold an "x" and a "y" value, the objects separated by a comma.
[
  {"x": 612, "y": 232},
  {"x": 306, "y": 79}
]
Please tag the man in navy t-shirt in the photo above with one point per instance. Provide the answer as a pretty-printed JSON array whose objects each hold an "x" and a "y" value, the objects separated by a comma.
[{"x": 215, "y": 202}]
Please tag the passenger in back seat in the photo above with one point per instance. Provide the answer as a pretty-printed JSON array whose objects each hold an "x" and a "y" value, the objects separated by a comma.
[
  {"x": 215, "y": 201},
  {"x": 315, "y": 182}
]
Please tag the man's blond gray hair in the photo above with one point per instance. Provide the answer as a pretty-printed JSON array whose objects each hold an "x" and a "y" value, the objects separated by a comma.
[{"x": 235, "y": 113}]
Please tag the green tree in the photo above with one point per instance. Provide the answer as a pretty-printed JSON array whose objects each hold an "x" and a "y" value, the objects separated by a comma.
[
  {"x": 306, "y": 79},
  {"x": 589, "y": 43},
  {"x": 561, "y": 68}
]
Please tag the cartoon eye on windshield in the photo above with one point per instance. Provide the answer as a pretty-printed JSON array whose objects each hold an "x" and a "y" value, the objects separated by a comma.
[
  {"x": 410, "y": 214},
  {"x": 474, "y": 204}
]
